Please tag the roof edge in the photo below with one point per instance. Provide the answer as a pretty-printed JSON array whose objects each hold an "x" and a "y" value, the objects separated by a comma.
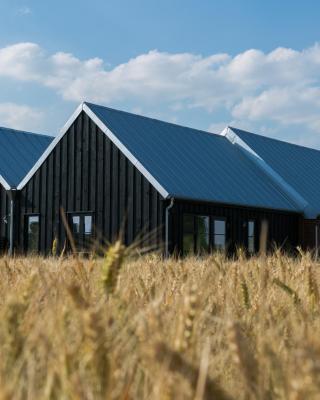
[
  {"x": 51, "y": 146},
  {"x": 287, "y": 189},
  {"x": 13, "y": 130},
  {"x": 4, "y": 183},
  {"x": 236, "y": 204}
]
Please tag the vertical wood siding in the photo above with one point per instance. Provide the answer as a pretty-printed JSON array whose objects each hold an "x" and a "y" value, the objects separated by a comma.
[
  {"x": 87, "y": 172},
  {"x": 309, "y": 234},
  {"x": 4, "y": 214}
]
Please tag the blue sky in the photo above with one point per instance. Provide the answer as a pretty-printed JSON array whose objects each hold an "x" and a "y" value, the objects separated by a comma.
[{"x": 205, "y": 64}]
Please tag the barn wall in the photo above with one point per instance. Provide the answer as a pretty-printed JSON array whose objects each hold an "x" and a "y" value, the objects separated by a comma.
[
  {"x": 87, "y": 172},
  {"x": 4, "y": 216},
  {"x": 284, "y": 229}
]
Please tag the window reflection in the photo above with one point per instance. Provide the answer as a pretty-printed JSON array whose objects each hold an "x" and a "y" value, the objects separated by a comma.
[
  {"x": 219, "y": 229},
  {"x": 251, "y": 237},
  {"x": 33, "y": 233}
]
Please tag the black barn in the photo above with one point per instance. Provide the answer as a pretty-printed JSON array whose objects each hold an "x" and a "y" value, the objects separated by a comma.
[{"x": 165, "y": 186}]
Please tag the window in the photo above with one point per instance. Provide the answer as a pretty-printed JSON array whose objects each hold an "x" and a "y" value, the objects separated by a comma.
[
  {"x": 251, "y": 237},
  {"x": 88, "y": 225},
  {"x": 32, "y": 233},
  {"x": 82, "y": 230},
  {"x": 219, "y": 234},
  {"x": 188, "y": 234},
  {"x": 196, "y": 235},
  {"x": 203, "y": 237},
  {"x": 76, "y": 224}
]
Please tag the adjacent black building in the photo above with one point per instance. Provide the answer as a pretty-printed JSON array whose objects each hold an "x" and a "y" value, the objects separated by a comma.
[{"x": 19, "y": 151}]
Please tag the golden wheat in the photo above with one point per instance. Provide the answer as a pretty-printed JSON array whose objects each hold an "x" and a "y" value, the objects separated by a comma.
[{"x": 147, "y": 328}]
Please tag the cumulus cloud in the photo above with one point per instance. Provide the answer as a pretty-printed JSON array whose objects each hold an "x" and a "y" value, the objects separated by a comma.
[
  {"x": 282, "y": 86},
  {"x": 19, "y": 116}
]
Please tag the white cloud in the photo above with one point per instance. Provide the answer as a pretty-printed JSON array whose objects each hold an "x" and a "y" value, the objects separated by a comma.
[
  {"x": 19, "y": 116},
  {"x": 286, "y": 105},
  {"x": 23, "y": 62},
  {"x": 281, "y": 86}
]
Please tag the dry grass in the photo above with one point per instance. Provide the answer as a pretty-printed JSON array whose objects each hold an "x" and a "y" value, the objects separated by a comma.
[{"x": 146, "y": 328}]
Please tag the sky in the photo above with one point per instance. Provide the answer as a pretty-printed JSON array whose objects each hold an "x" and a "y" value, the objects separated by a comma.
[{"x": 252, "y": 64}]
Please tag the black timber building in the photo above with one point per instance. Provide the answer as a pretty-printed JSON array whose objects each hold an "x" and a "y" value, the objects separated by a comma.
[{"x": 171, "y": 188}]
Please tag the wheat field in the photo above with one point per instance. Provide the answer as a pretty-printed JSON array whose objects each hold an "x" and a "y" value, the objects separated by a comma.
[{"x": 141, "y": 327}]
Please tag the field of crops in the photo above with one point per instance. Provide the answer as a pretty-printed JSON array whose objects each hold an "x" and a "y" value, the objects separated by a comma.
[{"x": 129, "y": 327}]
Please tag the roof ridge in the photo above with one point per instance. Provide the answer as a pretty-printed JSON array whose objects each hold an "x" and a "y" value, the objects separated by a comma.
[
  {"x": 289, "y": 191},
  {"x": 12, "y": 130},
  {"x": 275, "y": 139},
  {"x": 153, "y": 119}
]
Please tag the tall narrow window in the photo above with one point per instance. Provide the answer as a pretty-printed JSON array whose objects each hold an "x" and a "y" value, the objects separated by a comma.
[
  {"x": 32, "y": 233},
  {"x": 196, "y": 234},
  {"x": 251, "y": 237},
  {"x": 82, "y": 230},
  {"x": 188, "y": 234},
  {"x": 219, "y": 234},
  {"x": 75, "y": 226},
  {"x": 88, "y": 225},
  {"x": 202, "y": 234}
]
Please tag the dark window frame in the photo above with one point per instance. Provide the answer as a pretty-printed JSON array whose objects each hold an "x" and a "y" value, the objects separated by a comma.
[
  {"x": 218, "y": 218},
  {"x": 211, "y": 232},
  {"x": 195, "y": 232},
  {"x": 191, "y": 232},
  {"x": 26, "y": 231},
  {"x": 197, "y": 238},
  {"x": 82, "y": 245},
  {"x": 253, "y": 236}
]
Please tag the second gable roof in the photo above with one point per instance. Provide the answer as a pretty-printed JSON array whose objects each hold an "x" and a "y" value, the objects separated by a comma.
[
  {"x": 299, "y": 166},
  {"x": 19, "y": 151}
]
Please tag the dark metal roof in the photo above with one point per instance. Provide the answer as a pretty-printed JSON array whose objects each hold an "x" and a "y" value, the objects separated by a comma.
[
  {"x": 19, "y": 151},
  {"x": 299, "y": 166},
  {"x": 193, "y": 164}
]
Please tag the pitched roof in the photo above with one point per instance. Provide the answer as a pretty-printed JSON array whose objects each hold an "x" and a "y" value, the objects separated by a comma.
[
  {"x": 189, "y": 163},
  {"x": 19, "y": 151},
  {"x": 185, "y": 163},
  {"x": 299, "y": 166}
]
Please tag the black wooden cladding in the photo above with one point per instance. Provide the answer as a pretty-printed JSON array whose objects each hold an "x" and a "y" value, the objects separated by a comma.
[
  {"x": 4, "y": 215},
  {"x": 87, "y": 172},
  {"x": 309, "y": 234},
  {"x": 283, "y": 227}
]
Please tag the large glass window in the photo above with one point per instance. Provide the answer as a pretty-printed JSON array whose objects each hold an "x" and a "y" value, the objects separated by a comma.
[
  {"x": 32, "y": 233},
  {"x": 82, "y": 230},
  {"x": 219, "y": 234},
  {"x": 196, "y": 234},
  {"x": 251, "y": 237}
]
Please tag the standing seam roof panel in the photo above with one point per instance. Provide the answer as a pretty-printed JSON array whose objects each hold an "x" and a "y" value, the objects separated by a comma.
[
  {"x": 299, "y": 166},
  {"x": 193, "y": 164},
  {"x": 19, "y": 152}
]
